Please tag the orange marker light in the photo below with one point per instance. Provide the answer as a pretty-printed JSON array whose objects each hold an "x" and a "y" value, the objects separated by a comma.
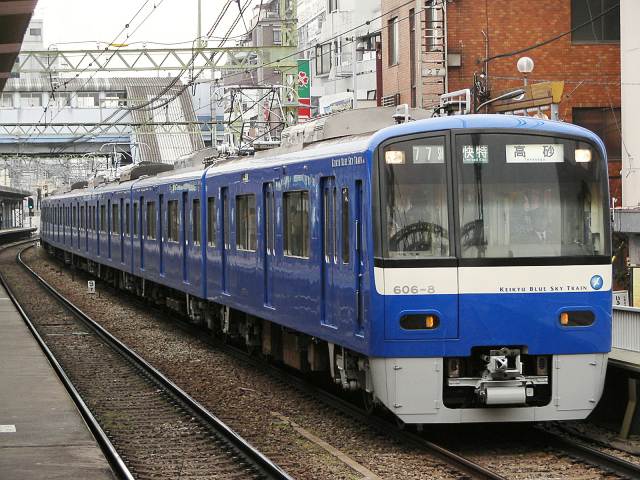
[
  {"x": 564, "y": 318},
  {"x": 430, "y": 321}
]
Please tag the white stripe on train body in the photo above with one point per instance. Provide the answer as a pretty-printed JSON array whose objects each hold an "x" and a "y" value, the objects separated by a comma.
[{"x": 475, "y": 280}]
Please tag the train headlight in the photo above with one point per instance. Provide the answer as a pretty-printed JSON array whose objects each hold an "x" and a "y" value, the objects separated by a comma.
[
  {"x": 418, "y": 321},
  {"x": 580, "y": 318},
  {"x": 583, "y": 155}
]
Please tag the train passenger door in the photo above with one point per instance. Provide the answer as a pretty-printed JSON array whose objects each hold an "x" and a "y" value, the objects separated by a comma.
[
  {"x": 226, "y": 242},
  {"x": 358, "y": 259},
  {"x": 269, "y": 229},
  {"x": 329, "y": 256}
]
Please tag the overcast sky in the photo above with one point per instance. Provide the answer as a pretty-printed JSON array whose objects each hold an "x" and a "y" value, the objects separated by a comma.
[{"x": 100, "y": 20}]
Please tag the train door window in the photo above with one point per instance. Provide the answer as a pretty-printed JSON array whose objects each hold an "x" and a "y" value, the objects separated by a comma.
[
  {"x": 345, "y": 225},
  {"x": 195, "y": 221},
  {"x": 103, "y": 218},
  {"x": 270, "y": 221},
  {"x": 296, "y": 224},
  {"x": 246, "y": 222},
  {"x": 151, "y": 220},
  {"x": 115, "y": 219},
  {"x": 75, "y": 217},
  {"x": 135, "y": 219},
  {"x": 82, "y": 216},
  {"x": 225, "y": 220},
  {"x": 127, "y": 227},
  {"x": 329, "y": 206},
  {"x": 172, "y": 223},
  {"x": 211, "y": 222}
]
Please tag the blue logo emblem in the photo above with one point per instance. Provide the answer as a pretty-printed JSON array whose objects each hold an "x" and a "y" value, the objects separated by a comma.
[{"x": 596, "y": 282}]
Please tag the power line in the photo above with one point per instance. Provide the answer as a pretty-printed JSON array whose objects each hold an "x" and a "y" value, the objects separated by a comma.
[{"x": 75, "y": 93}]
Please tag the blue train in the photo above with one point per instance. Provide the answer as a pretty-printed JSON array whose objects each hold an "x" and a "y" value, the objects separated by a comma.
[{"x": 454, "y": 269}]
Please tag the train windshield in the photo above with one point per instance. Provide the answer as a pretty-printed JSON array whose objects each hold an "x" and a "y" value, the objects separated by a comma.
[
  {"x": 529, "y": 196},
  {"x": 516, "y": 195},
  {"x": 417, "y": 204}
]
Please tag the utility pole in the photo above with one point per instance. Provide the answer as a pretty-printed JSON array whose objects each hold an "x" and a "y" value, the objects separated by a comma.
[{"x": 200, "y": 42}]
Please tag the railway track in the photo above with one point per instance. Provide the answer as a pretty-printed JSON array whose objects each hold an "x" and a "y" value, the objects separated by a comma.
[
  {"x": 587, "y": 458},
  {"x": 148, "y": 427}
]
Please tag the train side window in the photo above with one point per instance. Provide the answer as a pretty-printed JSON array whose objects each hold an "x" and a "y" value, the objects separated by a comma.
[
  {"x": 211, "y": 222},
  {"x": 151, "y": 220},
  {"x": 127, "y": 228},
  {"x": 135, "y": 218},
  {"x": 296, "y": 224},
  {"x": 246, "y": 222},
  {"x": 103, "y": 218},
  {"x": 195, "y": 221},
  {"x": 115, "y": 219},
  {"x": 82, "y": 216},
  {"x": 172, "y": 223},
  {"x": 345, "y": 225},
  {"x": 75, "y": 217}
]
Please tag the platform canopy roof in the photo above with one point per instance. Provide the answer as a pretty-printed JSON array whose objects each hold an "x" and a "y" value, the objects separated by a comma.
[
  {"x": 14, "y": 20},
  {"x": 9, "y": 192}
]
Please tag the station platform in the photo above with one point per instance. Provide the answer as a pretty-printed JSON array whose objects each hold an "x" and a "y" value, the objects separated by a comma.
[
  {"x": 14, "y": 234},
  {"x": 42, "y": 434}
]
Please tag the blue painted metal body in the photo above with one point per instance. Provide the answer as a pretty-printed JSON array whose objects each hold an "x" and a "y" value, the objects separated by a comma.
[{"x": 312, "y": 295}]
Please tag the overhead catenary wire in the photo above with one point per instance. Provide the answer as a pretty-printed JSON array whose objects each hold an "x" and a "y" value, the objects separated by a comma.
[
  {"x": 273, "y": 62},
  {"x": 124, "y": 110},
  {"x": 75, "y": 93}
]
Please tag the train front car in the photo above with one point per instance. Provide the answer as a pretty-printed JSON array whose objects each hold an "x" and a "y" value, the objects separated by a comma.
[{"x": 492, "y": 268}]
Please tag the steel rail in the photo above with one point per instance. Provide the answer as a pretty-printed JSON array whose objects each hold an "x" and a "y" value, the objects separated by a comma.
[
  {"x": 593, "y": 456},
  {"x": 112, "y": 456},
  {"x": 460, "y": 463},
  {"x": 251, "y": 454}
]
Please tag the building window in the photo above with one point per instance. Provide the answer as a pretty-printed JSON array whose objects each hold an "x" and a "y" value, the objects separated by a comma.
[
  {"x": 30, "y": 100},
  {"x": 87, "y": 100},
  {"x": 6, "y": 100},
  {"x": 61, "y": 100},
  {"x": 35, "y": 32},
  {"x": 323, "y": 59},
  {"x": 333, "y": 6},
  {"x": 172, "y": 223},
  {"x": 151, "y": 220},
  {"x": 601, "y": 30},
  {"x": 246, "y": 222},
  {"x": 394, "y": 46},
  {"x": 195, "y": 222},
  {"x": 296, "y": 224},
  {"x": 604, "y": 122},
  {"x": 211, "y": 222},
  {"x": 114, "y": 100},
  {"x": 277, "y": 36}
]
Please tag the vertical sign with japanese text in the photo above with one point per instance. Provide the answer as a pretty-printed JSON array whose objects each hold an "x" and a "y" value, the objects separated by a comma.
[{"x": 304, "y": 90}]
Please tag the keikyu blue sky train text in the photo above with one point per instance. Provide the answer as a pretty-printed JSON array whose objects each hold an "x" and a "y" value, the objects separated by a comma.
[{"x": 453, "y": 269}]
